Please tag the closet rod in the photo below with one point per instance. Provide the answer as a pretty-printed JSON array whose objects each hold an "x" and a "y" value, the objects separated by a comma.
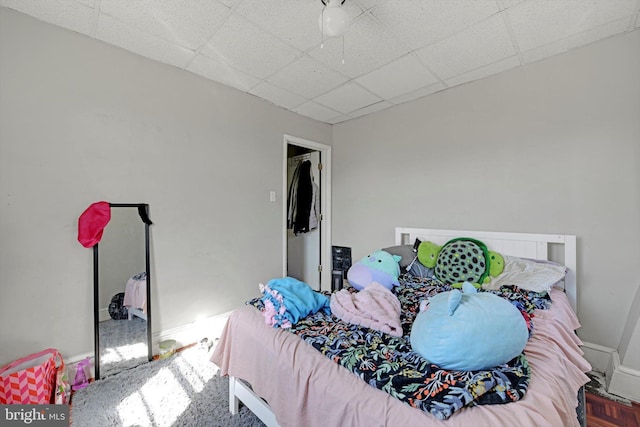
[{"x": 295, "y": 160}]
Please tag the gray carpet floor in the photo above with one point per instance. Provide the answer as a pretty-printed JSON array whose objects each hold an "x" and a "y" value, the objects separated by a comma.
[
  {"x": 182, "y": 390},
  {"x": 122, "y": 345}
]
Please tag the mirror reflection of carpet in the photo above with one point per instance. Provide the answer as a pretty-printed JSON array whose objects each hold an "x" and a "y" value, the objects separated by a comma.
[{"x": 123, "y": 345}]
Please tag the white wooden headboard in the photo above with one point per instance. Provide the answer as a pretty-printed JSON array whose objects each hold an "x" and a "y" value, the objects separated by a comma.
[{"x": 525, "y": 245}]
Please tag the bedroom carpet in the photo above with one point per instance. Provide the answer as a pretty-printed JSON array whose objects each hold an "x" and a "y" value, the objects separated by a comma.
[
  {"x": 183, "y": 390},
  {"x": 122, "y": 345}
]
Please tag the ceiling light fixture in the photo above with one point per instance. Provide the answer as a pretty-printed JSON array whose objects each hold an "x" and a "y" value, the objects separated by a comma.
[{"x": 333, "y": 20}]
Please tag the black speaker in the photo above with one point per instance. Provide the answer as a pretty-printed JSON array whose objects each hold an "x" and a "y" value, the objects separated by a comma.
[
  {"x": 336, "y": 281},
  {"x": 341, "y": 262},
  {"x": 341, "y": 257}
]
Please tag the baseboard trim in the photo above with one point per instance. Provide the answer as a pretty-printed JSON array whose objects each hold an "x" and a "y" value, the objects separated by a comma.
[
  {"x": 620, "y": 380},
  {"x": 184, "y": 335},
  {"x": 598, "y": 356},
  {"x": 103, "y": 314},
  {"x": 190, "y": 333},
  {"x": 623, "y": 381}
]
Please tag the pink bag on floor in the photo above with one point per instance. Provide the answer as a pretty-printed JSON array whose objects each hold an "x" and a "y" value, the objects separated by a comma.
[{"x": 31, "y": 379}]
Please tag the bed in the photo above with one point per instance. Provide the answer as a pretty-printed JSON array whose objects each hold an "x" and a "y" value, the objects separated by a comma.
[{"x": 287, "y": 382}]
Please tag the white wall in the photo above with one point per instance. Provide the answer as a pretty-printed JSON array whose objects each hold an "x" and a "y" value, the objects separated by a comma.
[
  {"x": 630, "y": 341},
  {"x": 552, "y": 147},
  {"x": 82, "y": 121}
]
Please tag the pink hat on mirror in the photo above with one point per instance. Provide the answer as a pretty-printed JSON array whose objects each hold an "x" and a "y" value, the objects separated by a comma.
[{"x": 92, "y": 222}]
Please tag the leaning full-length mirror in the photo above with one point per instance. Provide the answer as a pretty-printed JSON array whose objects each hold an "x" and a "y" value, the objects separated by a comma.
[{"x": 122, "y": 291}]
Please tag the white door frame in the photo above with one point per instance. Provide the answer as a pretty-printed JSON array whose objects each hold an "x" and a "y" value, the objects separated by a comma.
[{"x": 325, "y": 211}]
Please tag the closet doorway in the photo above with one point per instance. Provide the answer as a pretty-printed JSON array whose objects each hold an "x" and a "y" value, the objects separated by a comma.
[{"x": 306, "y": 178}]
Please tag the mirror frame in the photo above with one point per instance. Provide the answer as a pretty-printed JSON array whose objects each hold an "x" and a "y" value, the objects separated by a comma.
[{"x": 143, "y": 211}]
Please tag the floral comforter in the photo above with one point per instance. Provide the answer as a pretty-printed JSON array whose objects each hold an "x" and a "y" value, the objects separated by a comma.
[{"x": 389, "y": 364}]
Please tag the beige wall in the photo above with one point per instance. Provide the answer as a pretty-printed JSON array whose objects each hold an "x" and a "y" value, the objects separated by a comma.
[
  {"x": 552, "y": 147},
  {"x": 82, "y": 121}
]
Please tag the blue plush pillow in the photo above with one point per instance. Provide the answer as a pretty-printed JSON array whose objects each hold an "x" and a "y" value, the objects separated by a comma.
[{"x": 469, "y": 330}]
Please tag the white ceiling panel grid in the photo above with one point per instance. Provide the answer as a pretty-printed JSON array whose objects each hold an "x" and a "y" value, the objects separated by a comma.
[
  {"x": 117, "y": 33},
  {"x": 221, "y": 72},
  {"x": 190, "y": 27},
  {"x": 393, "y": 51},
  {"x": 397, "y": 78},
  {"x": 366, "y": 47},
  {"x": 307, "y": 77},
  {"x": 316, "y": 111},
  {"x": 277, "y": 96},
  {"x": 75, "y": 16},
  {"x": 474, "y": 47},
  {"x": 347, "y": 98},
  {"x": 249, "y": 48}
]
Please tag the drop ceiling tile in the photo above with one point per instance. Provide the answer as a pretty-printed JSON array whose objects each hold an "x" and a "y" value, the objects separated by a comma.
[
  {"x": 216, "y": 70},
  {"x": 419, "y": 93},
  {"x": 115, "y": 32},
  {"x": 296, "y": 22},
  {"x": 249, "y": 48},
  {"x": 276, "y": 95},
  {"x": 316, "y": 111},
  {"x": 293, "y": 21},
  {"x": 229, "y": 3},
  {"x": 537, "y": 23},
  {"x": 66, "y": 14},
  {"x": 307, "y": 77},
  {"x": 576, "y": 40},
  {"x": 267, "y": 48},
  {"x": 338, "y": 119},
  {"x": 487, "y": 70},
  {"x": 506, "y": 4},
  {"x": 378, "y": 106},
  {"x": 370, "y": 4},
  {"x": 420, "y": 23},
  {"x": 347, "y": 98},
  {"x": 477, "y": 46},
  {"x": 367, "y": 46},
  {"x": 397, "y": 78},
  {"x": 189, "y": 27}
]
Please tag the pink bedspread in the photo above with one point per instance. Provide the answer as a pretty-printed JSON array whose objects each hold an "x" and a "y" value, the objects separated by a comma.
[{"x": 304, "y": 388}]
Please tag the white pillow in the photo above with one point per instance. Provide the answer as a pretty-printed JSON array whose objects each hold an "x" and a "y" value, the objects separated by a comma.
[{"x": 529, "y": 274}]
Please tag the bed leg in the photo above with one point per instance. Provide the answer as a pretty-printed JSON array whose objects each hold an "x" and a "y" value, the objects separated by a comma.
[{"x": 234, "y": 402}]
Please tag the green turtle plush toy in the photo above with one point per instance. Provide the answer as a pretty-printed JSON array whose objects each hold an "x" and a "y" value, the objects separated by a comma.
[
  {"x": 461, "y": 260},
  {"x": 428, "y": 253}
]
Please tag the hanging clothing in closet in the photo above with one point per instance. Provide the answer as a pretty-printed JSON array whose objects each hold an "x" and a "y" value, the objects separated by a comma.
[{"x": 302, "y": 200}]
